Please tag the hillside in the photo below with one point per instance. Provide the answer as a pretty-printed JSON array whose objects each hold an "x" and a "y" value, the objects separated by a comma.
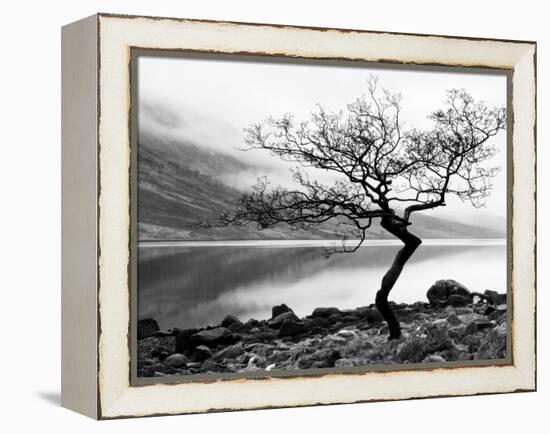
[{"x": 180, "y": 184}]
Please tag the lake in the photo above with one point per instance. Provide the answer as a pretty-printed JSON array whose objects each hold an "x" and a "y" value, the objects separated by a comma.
[{"x": 194, "y": 284}]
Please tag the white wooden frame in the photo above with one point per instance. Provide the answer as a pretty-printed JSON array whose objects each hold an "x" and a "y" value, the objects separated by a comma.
[{"x": 96, "y": 215}]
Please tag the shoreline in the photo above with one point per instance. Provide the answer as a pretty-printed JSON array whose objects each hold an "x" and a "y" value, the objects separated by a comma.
[{"x": 455, "y": 325}]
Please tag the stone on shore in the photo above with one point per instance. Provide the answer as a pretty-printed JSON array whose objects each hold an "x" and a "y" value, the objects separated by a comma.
[
  {"x": 279, "y": 309},
  {"x": 325, "y": 312},
  {"x": 291, "y": 328},
  {"x": 212, "y": 337},
  {"x": 441, "y": 290},
  {"x": 176, "y": 360},
  {"x": 146, "y": 328}
]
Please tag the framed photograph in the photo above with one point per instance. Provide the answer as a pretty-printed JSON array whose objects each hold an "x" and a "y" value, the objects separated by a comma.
[{"x": 262, "y": 216}]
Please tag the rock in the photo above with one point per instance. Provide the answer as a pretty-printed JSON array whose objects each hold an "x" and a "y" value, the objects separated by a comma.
[
  {"x": 314, "y": 323},
  {"x": 278, "y": 310},
  {"x": 433, "y": 358},
  {"x": 478, "y": 325},
  {"x": 212, "y": 337},
  {"x": 438, "y": 339},
  {"x": 343, "y": 363},
  {"x": 371, "y": 315},
  {"x": 441, "y": 290},
  {"x": 163, "y": 334},
  {"x": 453, "y": 320},
  {"x": 201, "y": 353},
  {"x": 230, "y": 352},
  {"x": 176, "y": 360},
  {"x": 413, "y": 350},
  {"x": 325, "y": 312},
  {"x": 324, "y": 358},
  {"x": 229, "y": 320},
  {"x": 183, "y": 337},
  {"x": 472, "y": 342},
  {"x": 291, "y": 328},
  {"x": 493, "y": 345},
  {"x": 146, "y": 328},
  {"x": 277, "y": 321},
  {"x": 279, "y": 356},
  {"x": 457, "y": 300},
  {"x": 494, "y": 297},
  {"x": 160, "y": 352}
]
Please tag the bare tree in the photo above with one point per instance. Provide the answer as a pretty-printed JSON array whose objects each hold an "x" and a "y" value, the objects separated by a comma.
[{"x": 384, "y": 172}]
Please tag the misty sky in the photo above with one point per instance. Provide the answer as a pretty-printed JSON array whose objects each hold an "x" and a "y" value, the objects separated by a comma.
[{"x": 209, "y": 102}]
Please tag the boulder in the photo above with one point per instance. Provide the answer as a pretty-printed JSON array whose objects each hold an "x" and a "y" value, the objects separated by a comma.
[
  {"x": 494, "y": 297},
  {"x": 183, "y": 339},
  {"x": 325, "y": 312},
  {"x": 229, "y": 320},
  {"x": 316, "y": 323},
  {"x": 343, "y": 363},
  {"x": 146, "y": 328},
  {"x": 438, "y": 339},
  {"x": 441, "y": 290},
  {"x": 457, "y": 300},
  {"x": 176, "y": 360},
  {"x": 413, "y": 350},
  {"x": 212, "y": 337},
  {"x": 201, "y": 353},
  {"x": 324, "y": 358},
  {"x": 279, "y": 309},
  {"x": 277, "y": 321},
  {"x": 493, "y": 345},
  {"x": 371, "y": 315},
  {"x": 230, "y": 352},
  {"x": 433, "y": 358},
  {"x": 291, "y": 328}
]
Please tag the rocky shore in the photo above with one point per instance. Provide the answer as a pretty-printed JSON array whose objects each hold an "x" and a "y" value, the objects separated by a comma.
[{"x": 455, "y": 325}]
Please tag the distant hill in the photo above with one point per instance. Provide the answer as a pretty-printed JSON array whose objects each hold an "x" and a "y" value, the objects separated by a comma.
[{"x": 180, "y": 184}]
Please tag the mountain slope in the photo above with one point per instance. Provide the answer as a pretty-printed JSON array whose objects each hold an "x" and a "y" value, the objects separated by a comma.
[{"x": 179, "y": 185}]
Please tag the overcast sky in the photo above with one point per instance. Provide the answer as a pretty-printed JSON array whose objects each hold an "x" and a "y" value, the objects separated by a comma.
[{"x": 209, "y": 102}]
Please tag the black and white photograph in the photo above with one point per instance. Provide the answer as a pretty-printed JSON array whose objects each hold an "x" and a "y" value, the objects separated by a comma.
[{"x": 297, "y": 215}]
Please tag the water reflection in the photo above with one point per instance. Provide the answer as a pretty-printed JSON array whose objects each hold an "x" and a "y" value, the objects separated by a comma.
[{"x": 197, "y": 285}]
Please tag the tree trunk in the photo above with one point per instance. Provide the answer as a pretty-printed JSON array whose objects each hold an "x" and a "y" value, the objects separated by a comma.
[{"x": 411, "y": 243}]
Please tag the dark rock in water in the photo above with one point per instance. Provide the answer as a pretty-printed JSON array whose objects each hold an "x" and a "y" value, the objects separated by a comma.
[
  {"x": 183, "y": 339},
  {"x": 229, "y": 320},
  {"x": 291, "y": 328},
  {"x": 279, "y": 309},
  {"x": 146, "y": 328},
  {"x": 441, "y": 290},
  {"x": 176, "y": 360},
  {"x": 278, "y": 320},
  {"x": 325, "y": 312},
  {"x": 494, "y": 297},
  {"x": 456, "y": 300},
  {"x": 201, "y": 353},
  {"x": 493, "y": 345},
  {"x": 212, "y": 337}
]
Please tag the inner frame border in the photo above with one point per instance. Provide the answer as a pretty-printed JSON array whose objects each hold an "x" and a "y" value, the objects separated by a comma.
[{"x": 345, "y": 62}]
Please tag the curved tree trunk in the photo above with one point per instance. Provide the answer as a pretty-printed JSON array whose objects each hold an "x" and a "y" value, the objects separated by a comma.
[{"x": 411, "y": 242}]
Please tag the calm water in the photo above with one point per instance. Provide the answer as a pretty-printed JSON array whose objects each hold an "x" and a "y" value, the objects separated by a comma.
[{"x": 192, "y": 284}]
